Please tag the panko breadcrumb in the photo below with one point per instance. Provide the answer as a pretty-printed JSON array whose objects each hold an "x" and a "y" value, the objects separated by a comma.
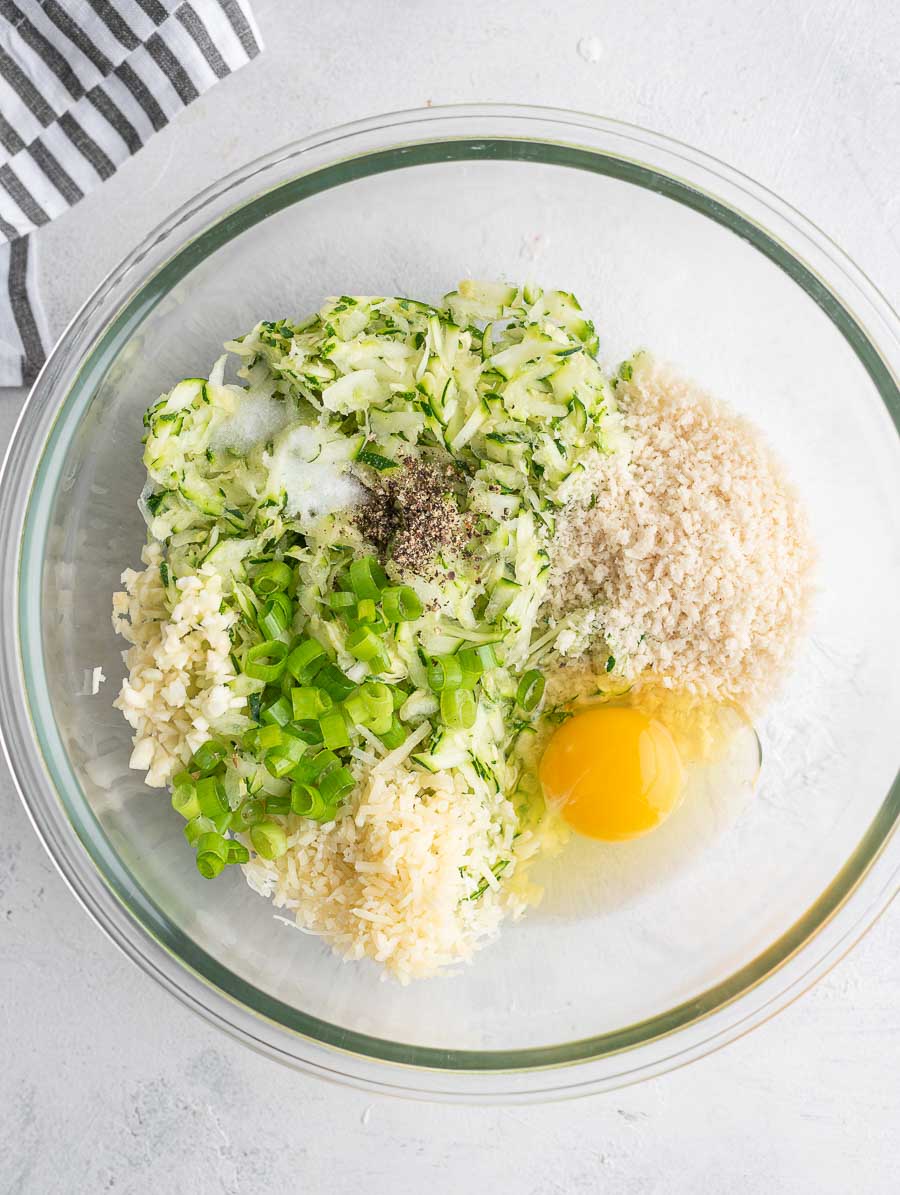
[{"x": 691, "y": 547}]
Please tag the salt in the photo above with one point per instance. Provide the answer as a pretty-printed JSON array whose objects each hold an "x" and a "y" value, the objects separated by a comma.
[{"x": 256, "y": 419}]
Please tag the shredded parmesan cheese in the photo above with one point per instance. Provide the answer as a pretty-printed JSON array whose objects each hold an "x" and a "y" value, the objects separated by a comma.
[{"x": 390, "y": 879}]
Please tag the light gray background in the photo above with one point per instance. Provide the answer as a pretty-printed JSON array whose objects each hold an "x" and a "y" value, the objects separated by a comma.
[{"x": 107, "y": 1084}]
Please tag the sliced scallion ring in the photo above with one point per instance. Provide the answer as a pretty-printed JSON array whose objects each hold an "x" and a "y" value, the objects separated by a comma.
[
  {"x": 307, "y": 801},
  {"x": 212, "y": 854},
  {"x": 445, "y": 672},
  {"x": 459, "y": 708},
  {"x": 400, "y": 603},
  {"x": 367, "y": 578},
  {"x": 271, "y": 577},
  {"x": 266, "y": 661},
  {"x": 208, "y": 756},
  {"x": 269, "y": 839},
  {"x": 305, "y": 660},
  {"x": 530, "y": 690}
]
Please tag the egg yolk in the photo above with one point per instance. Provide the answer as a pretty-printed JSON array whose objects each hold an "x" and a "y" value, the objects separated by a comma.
[{"x": 612, "y": 772}]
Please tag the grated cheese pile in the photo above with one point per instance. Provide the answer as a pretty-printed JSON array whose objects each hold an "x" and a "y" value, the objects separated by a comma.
[
  {"x": 387, "y": 879},
  {"x": 693, "y": 553}
]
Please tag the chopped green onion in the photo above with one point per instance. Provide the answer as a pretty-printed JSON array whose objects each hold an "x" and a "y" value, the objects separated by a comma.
[
  {"x": 308, "y": 730},
  {"x": 278, "y": 713},
  {"x": 356, "y": 709},
  {"x": 306, "y": 801},
  {"x": 341, "y": 601},
  {"x": 208, "y": 756},
  {"x": 278, "y": 804},
  {"x": 395, "y": 735},
  {"x": 248, "y": 814},
  {"x": 366, "y": 611},
  {"x": 271, "y": 577},
  {"x": 367, "y": 578},
  {"x": 292, "y": 745},
  {"x": 458, "y": 708},
  {"x": 261, "y": 738},
  {"x": 276, "y": 615},
  {"x": 487, "y": 654},
  {"x": 311, "y": 767},
  {"x": 196, "y": 827},
  {"x": 284, "y": 603},
  {"x": 295, "y": 730},
  {"x": 269, "y": 839},
  {"x": 379, "y": 663},
  {"x": 370, "y": 704},
  {"x": 530, "y": 690},
  {"x": 334, "y": 682},
  {"x": 445, "y": 672},
  {"x": 610, "y": 663},
  {"x": 308, "y": 702},
  {"x": 333, "y": 726},
  {"x": 266, "y": 661},
  {"x": 377, "y": 624},
  {"x": 284, "y": 758},
  {"x": 212, "y": 854},
  {"x": 223, "y": 821},
  {"x": 237, "y": 852},
  {"x": 184, "y": 796},
  {"x": 211, "y": 797},
  {"x": 335, "y": 786},
  {"x": 254, "y": 706},
  {"x": 305, "y": 660},
  {"x": 269, "y": 736},
  {"x": 377, "y": 696},
  {"x": 400, "y": 603},
  {"x": 364, "y": 644},
  {"x": 472, "y": 667}
]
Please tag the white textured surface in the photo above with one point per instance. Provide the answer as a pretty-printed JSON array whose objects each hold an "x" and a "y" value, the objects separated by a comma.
[{"x": 108, "y": 1084}]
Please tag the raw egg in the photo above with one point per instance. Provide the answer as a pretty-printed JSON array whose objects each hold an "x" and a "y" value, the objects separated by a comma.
[{"x": 613, "y": 772}]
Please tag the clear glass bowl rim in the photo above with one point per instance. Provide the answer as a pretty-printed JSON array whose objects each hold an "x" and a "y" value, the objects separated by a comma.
[{"x": 851, "y": 903}]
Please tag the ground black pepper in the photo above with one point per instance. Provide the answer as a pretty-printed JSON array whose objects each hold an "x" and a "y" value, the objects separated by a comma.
[{"x": 412, "y": 517}]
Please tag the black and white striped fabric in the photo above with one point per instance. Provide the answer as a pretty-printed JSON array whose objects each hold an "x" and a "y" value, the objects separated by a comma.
[{"x": 83, "y": 85}]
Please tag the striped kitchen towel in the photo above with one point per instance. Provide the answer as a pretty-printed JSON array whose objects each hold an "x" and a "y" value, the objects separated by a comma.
[{"x": 83, "y": 85}]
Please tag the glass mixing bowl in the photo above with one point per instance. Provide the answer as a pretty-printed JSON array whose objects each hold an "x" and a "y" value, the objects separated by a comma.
[{"x": 642, "y": 956}]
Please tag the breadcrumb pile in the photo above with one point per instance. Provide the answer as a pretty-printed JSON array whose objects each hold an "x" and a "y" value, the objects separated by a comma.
[{"x": 691, "y": 546}]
